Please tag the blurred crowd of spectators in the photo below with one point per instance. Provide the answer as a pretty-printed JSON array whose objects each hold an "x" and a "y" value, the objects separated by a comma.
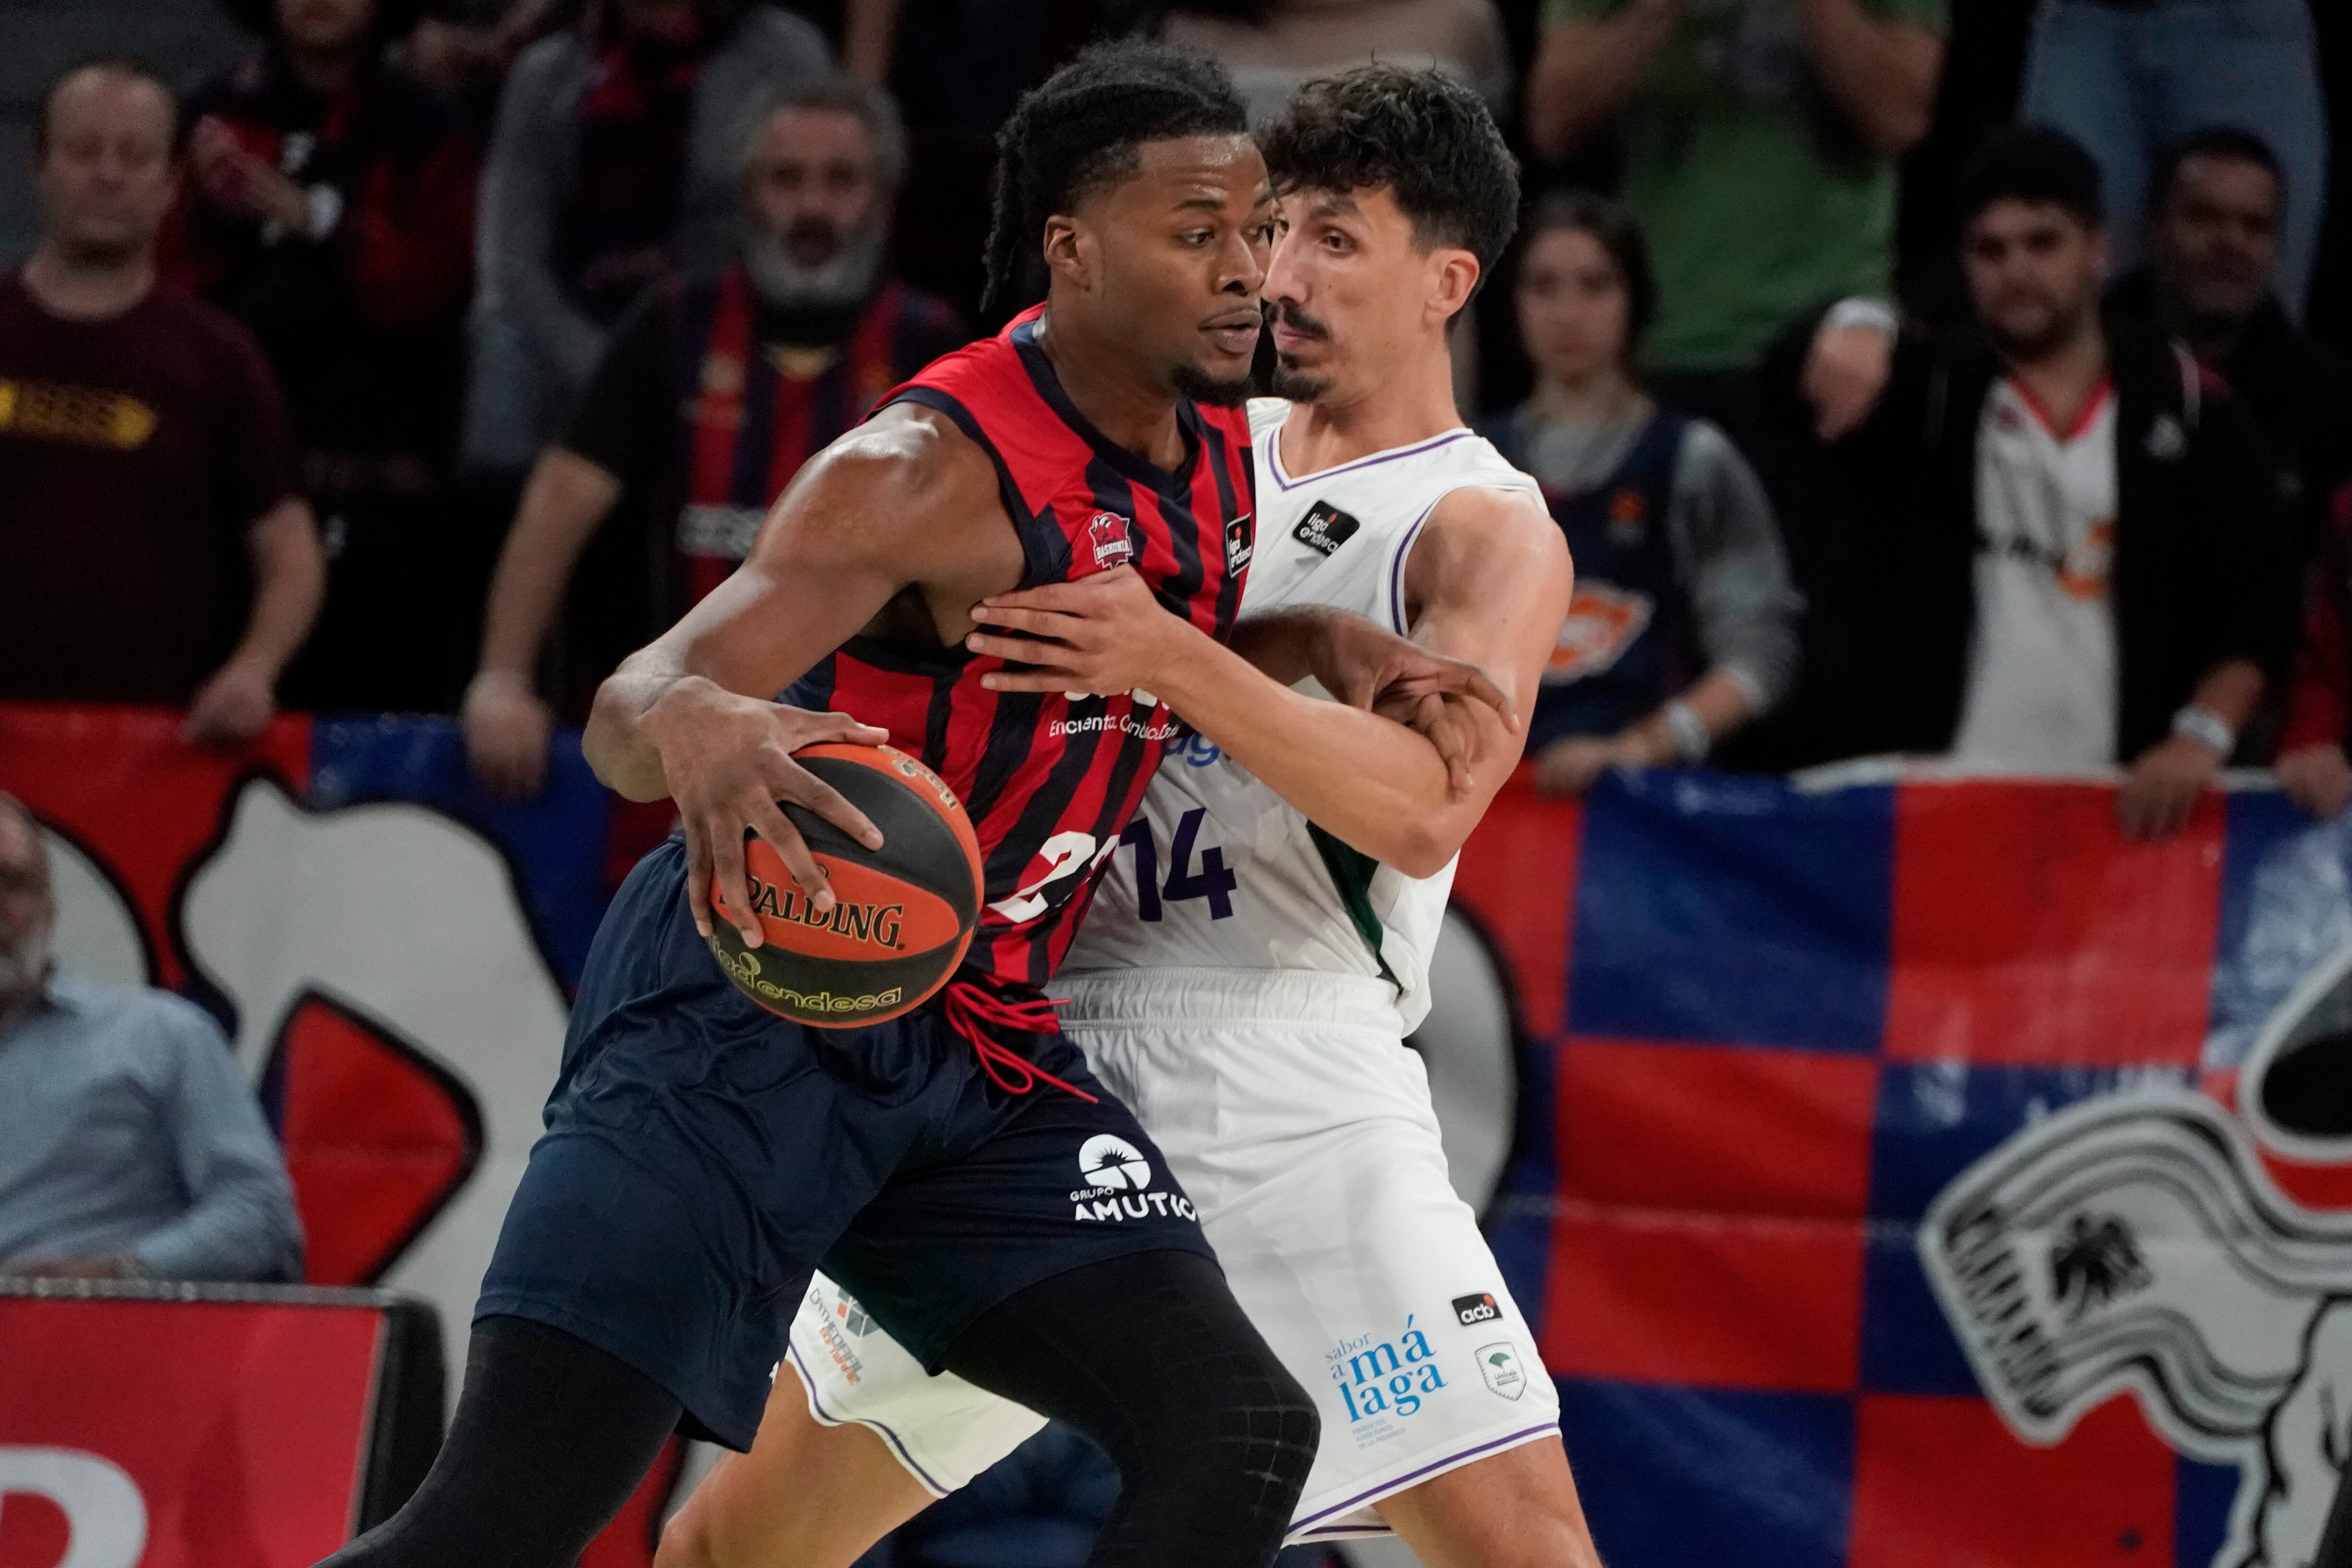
[{"x": 434, "y": 355}]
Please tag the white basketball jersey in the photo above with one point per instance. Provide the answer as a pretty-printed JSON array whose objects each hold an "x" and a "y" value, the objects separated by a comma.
[{"x": 1216, "y": 872}]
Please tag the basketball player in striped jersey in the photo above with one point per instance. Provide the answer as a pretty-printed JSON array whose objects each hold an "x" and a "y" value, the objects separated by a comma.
[
  {"x": 1261, "y": 945},
  {"x": 702, "y": 1156}
]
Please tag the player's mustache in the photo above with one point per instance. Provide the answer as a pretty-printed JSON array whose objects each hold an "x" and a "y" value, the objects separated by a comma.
[{"x": 1296, "y": 320}]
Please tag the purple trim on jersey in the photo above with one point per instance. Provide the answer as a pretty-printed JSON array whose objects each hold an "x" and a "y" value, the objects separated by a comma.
[
  {"x": 808, "y": 1385},
  {"x": 1274, "y": 457},
  {"x": 1396, "y": 567},
  {"x": 1300, "y": 1529}
]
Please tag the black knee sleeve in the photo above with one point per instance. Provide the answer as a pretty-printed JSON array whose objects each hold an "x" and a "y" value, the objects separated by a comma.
[
  {"x": 1149, "y": 1356},
  {"x": 550, "y": 1436}
]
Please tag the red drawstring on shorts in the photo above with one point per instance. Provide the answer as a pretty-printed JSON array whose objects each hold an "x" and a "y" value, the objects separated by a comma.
[{"x": 973, "y": 1010}]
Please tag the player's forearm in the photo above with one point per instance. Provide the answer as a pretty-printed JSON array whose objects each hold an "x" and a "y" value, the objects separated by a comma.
[
  {"x": 568, "y": 495},
  {"x": 289, "y": 573},
  {"x": 1368, "y": 781},
  {"x": 1280, "y": 644},
  {"x": 1585, "y": 74},
  {"x": 1883, "y": 75},
  {"x": 618, "y": 746}
]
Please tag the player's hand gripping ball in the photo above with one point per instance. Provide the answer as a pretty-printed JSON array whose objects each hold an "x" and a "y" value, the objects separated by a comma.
[{"x": 906, "y": 912}]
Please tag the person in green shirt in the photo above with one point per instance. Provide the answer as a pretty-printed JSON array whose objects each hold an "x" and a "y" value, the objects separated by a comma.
[{"x": 1761, "y": 137}]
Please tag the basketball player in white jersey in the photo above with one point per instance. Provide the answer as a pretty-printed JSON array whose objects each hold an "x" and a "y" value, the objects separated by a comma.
[{"x": 1246, "y": 977}]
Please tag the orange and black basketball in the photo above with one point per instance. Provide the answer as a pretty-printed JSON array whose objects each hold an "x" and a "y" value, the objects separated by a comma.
[{"x": 906, "y": 912}]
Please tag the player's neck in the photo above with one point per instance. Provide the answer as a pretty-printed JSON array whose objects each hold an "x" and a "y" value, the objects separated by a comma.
[
  {"x": 1133, "y": 411},
  {"x": 1390, "y": 411}
]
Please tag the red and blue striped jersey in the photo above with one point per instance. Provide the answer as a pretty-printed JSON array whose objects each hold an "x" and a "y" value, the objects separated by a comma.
[{"x": 1051, "y": 781}]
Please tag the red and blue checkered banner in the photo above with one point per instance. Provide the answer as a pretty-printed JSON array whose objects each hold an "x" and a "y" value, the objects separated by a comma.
[
  {"x": 1920, "y": 1174},
  {"x": 1910, "y": 1174}
]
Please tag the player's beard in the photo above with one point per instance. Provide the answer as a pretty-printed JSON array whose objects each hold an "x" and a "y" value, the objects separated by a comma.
[
  {"x": 1288, "y": 380},
  {"x": 1189, "y": 381},
  {"x": 841, "y": 280}
]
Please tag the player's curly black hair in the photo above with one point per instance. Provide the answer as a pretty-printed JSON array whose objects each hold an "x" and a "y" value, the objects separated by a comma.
[
  {"x": 1419, "y": 134},
  {"x": 1083, "y": 127}
]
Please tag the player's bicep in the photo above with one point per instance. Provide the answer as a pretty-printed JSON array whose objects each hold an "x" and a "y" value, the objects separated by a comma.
[
  {"x": 1488, "y": 582},
  {"x": 843, "y": 541}
]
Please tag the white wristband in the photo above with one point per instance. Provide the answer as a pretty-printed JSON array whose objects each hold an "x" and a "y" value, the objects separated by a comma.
[
  {"x": 1860, "y": 312},
  {"x": 1693, "y": 739},
  {"x": 2207, "y": 728}
]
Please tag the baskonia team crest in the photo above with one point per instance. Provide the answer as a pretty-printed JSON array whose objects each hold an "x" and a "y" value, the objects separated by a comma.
[{"x": 1113, "y": 540}]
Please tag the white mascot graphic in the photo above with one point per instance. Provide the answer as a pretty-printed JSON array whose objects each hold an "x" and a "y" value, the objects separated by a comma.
[{"x": 2133, "y": 1242}]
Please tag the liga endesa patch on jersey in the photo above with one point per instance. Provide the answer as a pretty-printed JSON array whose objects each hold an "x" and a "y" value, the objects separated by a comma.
[{"x": 1324, "y": 528}]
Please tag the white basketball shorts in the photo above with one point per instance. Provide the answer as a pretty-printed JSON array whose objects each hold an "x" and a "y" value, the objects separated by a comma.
[{"x": 1301, "y": 1127}]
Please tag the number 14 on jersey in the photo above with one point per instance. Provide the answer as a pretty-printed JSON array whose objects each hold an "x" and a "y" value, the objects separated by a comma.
[{"x": 1213, "y": 882}]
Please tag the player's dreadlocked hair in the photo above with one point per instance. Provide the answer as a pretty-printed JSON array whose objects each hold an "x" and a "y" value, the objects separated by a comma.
[
  {"x": 1082, "y": 128},
  {"x": 1420, "y": 134}
]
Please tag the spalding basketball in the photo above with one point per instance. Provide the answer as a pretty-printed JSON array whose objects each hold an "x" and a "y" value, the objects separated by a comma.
[{"x": 905, "y": 912}]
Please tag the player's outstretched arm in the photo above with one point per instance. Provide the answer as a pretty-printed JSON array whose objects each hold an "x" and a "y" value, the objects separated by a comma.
[
  {"x": 1487, "y": 583},
  {"x": 886, "y": 509}
]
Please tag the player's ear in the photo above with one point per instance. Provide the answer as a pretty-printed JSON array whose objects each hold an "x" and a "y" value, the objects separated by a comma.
[
  {"x": 1069, "y": 251},
  {"x": 1452, "y": 275}
]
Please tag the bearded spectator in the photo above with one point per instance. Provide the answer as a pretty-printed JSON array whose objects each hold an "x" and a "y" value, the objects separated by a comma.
[
  {"x": 712, "y": 394},
  {"x": 616, "y": 161},
  {"x": 330, "y": 208},
  {"x": 153, "y": 545},
  {"x": 2077, "y": 556}
]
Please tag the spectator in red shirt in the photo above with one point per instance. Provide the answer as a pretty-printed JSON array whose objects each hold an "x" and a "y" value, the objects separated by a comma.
[
  {"x": 331, "y": 209},
  {"x": 2312, "y": 765},
  {"x": 711, "y": 394},
  {"x": 153, "y": 547}
]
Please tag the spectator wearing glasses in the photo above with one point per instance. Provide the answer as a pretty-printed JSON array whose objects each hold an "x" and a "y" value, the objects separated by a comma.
[
  {"x": 1683, "y": 626},
  {"x": 129, "y": 1146},
  {"x": 710, "y": 395},
  {"x": 155, "y": 547},
  {"x": 2077, "y": 557}
]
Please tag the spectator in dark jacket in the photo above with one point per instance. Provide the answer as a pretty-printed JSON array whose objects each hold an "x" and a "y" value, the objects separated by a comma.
[
  {"x": 329, "y": 207},
  {"x": 2217, "y": 213},
  {"x": 2078, "y": 557}
]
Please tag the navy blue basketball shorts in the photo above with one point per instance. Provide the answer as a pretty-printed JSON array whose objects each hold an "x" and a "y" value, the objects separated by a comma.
[{"x": 702, "y": 1156}]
